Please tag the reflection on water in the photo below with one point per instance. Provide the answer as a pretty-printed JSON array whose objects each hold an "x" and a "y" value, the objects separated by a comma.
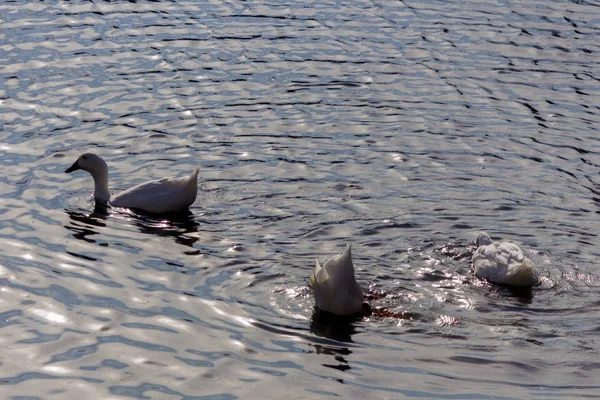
[
  {"x": 182, "y": 226},
  {"x": 332, "y": 326},
  {"x": 401, "y": 127},
  {"x": 83, "y": 223}
]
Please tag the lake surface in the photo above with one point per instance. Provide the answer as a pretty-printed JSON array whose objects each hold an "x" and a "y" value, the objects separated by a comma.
[{"x": 401, "y": 127}]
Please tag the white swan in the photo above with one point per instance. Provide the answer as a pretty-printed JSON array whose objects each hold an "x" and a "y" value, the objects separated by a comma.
[
  {"x": 503, "y": 263},
  {"x": 335, "y": 287},
  {"x": 164, "y": 195}
]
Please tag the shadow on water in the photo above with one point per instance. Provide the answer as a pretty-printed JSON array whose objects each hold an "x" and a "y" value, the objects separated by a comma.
[{"x": 182, "y": 227}]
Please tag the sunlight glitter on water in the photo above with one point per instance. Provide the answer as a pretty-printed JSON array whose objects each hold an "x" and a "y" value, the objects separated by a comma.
[
  {"x": 401, "y": 127},
  {"x": 50, "y": 316},
  {"x": 56, "y": 369}
]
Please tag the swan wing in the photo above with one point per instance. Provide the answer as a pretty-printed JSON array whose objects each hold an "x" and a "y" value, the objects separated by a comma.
[
  {"x": 504, "y": 263},
  {"x": 160, "y": 196}
]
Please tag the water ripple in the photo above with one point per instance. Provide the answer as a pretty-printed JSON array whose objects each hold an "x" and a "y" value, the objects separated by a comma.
[{"x": 402, "y": 127}]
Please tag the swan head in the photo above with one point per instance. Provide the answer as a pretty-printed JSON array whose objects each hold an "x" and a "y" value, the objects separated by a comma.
[
  {"x": 90, "y": 162},
  {"x": 483, "y": 239},
  {"x": 95, "y": 165}
]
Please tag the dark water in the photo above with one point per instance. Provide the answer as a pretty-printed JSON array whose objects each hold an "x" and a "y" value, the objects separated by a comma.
[{"x": 402, "y": 127}]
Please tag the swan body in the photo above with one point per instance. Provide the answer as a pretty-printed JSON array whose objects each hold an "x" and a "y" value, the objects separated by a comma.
[
  {"x": 166, "y": 195},
  {"x": 503, "y": 263},
  {"x": 335, "y": 287}
]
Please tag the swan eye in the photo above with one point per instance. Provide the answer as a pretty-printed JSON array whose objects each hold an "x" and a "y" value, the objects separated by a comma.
[{"x": 84, "y": 157}]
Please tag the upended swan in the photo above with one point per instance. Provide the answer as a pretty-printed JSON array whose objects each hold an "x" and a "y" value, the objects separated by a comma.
[
  {"x": 503, "y": 263},
  {"x": 335, "y": 287},
  {"x": 166, "y": 195}
]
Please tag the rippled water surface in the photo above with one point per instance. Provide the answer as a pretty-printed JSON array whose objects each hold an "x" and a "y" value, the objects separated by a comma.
[{"x": 401, "y": 127}]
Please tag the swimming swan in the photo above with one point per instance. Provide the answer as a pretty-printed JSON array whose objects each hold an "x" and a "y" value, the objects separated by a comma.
[
  {"x": 335, "y": 287},
  {"x": 503, "y": 263},
  {"x": 164, "y": 195}
]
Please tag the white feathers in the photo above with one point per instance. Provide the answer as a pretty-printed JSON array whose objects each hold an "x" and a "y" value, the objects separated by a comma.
[
  {"x": 160, "y": 196},
  {"x": 503, "y": 263},
  {"x": 164, "y": 195},
  {"x": 335, "y": 287}
]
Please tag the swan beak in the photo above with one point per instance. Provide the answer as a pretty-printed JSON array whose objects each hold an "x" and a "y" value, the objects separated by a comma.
[{"x": 72, "y": 168}]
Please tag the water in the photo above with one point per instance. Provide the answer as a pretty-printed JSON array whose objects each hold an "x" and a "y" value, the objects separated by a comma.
[{"x": 401, "y": 127}]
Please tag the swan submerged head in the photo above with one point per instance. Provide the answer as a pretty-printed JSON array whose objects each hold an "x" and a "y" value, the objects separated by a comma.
[
  {"x": 503, "y": 263},
  {"x": 335, "y": 287}
]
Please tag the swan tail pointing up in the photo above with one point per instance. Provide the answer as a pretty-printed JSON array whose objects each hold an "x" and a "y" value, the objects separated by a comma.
[
  {"x": 194, "y": 174},
  {"x": 314, "y": 280}
]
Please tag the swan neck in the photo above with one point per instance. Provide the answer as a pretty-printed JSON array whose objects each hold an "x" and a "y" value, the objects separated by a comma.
[{"x": 101, "y": 192}]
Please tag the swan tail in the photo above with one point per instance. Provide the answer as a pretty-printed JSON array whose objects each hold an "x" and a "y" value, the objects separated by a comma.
[
  {"x": 524, "y": 275},
  {"x": 194, "y": 175},
  {"x": 313, "y": 275}
]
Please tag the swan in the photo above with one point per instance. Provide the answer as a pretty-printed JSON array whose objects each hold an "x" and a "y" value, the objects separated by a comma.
[
  {"x": 335, "y": 287},
  {"x": 164, "y": 195},
  {"x": 502, "y": 262}
]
